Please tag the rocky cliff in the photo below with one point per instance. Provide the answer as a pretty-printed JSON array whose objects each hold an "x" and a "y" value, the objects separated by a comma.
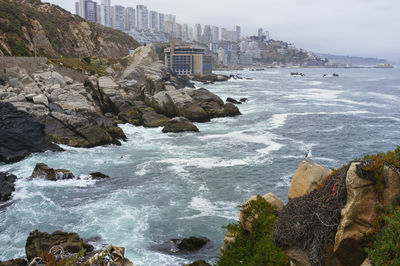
[
  {"x": 330, "y": 219},
  {"x": 29, "y": 25}
]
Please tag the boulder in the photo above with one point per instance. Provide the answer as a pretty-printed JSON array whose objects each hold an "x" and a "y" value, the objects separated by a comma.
[
  {"x": 40, "y": 99},
  {"x": 50, "y": 78},
  {"x": 14, "y": 262},
  {"x": 152, "y": 119},
  {"x": 271, "y": 198},
  {"x": 199, "y": 263},
  {"x": 179, "y": 124},
  {"x": 98, "y": 176},
  {"x": 231, "y": 100},
  {"x": 309, "y": 176},
  {"x": 243, "y": 100},
  {"x": 182, "y": 245},
  {"x": 43, "y": 171},
  {"x": 229, "y": 239},
  {"x": 358, "y": 215},
  {"x": 68, "y": 80},
  {"x": 7, "y": 186},
  {"x": 20, "y": 135},
  {"x": 42, "y": 242}
]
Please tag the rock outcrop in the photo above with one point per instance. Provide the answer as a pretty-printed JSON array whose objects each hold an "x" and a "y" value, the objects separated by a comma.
[
  {"x": 27, "y": 26},
  {"x": 43, "y": 171},
  {"x": 21, "y": 134},
  {"x": 359, "y": 214},
  {"x": 7, "y": 186},
  {"x": 39, "y": 241},
  {"x": 308, "y": 177},
  {"x": 179, "y": 124}
]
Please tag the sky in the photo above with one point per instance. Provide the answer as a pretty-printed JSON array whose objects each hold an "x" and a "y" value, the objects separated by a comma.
[{"x": 369, "y": 28}]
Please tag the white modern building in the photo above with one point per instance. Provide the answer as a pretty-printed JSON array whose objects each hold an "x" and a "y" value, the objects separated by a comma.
[
  {"x": 153, "y": 21},
  {"x": 161, "y": 22},
  {"x": 130, "y": 18},
  {"x": 215, "y": 34},
  {"x": 197, "y": 33},
  {"x": 142, "y": 17},
  {"x": 117, "y": 17}
]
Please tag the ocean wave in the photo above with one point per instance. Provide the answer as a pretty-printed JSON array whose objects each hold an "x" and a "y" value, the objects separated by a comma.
[{"x": 206, "y": 208}]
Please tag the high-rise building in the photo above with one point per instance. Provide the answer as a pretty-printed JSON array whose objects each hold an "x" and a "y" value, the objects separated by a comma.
[
  {"x": 207, "y": 34},
  {"x": 260, "y": 32},
  {"x": 117, "y": 17},
  {"x": 129, "y": 18},
  {"x": 197, "y": 33},
  {"x": 185, "y": 32},
  {"x": 178, "y": 30},
  {"x": 105, "y": 12},
  {"x": 215, "y": 34},
  {"x": 98, "y": 14},
  {"x": 190, "y": 33},
  {"x": 87, "y": 9},
  {"x": 161, "y": 22},
  {"x": 238, "y": 33},
  {"x": 153, "y": 21},
  {"x": 170, "y": 23},
  {"x": 142, "y": 17},
  {"x": 224, "y": 34}
]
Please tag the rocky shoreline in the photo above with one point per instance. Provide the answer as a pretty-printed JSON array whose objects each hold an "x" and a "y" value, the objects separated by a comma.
[{"x": 51, "y": 108}]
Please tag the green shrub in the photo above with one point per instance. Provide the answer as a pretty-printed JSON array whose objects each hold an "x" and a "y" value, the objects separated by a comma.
[
  {"x": 258, "y": 246},
  {"x": 385, "y": 248}
]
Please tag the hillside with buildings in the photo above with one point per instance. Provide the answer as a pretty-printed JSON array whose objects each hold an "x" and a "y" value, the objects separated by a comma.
[{"x": 30, "y": 27}]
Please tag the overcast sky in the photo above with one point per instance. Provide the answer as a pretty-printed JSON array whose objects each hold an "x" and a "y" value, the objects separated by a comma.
[{"x": 345, "y": 27}]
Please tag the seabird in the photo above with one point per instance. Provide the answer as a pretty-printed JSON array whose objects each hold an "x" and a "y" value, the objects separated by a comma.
[{"x": 308, "y": 155}]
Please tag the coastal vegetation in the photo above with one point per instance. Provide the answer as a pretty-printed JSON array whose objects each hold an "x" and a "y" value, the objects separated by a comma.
[{"x": 256, "y": 247}]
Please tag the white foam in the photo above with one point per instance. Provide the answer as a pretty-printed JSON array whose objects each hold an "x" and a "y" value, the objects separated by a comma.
[
  {"x": 143, "y": 169},
  {"x": 206, "y": 208},
  {"x": 206, "y": 163},
  {"x": 284, "y": 181}
]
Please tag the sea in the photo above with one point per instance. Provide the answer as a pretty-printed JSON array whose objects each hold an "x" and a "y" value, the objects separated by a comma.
[{"x": 165, "y": 186}]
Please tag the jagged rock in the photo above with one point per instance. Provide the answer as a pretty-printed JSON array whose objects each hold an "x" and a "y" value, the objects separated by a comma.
[
  {"x": 43, "y": 171},
  {"x": 20, "y": 135},
  {"x": 7, "y": 186},
  {"x": 152, "y": 119},
  {"x": 179, "y": 124},
  {"x": 182, "y": 245},
  {"x": 367, "y": 262},
  {"x": 98, "y": 175},
  {"x": 50, "y": 78},
  {"x": 68, "y": 80},
  {"x": 38, "y": 241},
  {"x": 359, "y": 213},
  {"x": 271, "y": 198},
  {"x": 210, "y": 78},
  {"x": 199, "y": 263},
  {"x": 2, "y": 82},
  {"x": 40, "y": 99},
  {"x": 298, "y": 257},
  {"x": 308, "y": 177},
  {"x": 14, "y": 262},
  {"x": 231, "y": 100}
]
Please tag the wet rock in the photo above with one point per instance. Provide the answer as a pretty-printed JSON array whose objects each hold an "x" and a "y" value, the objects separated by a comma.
[
  {"x": 335, "y": 75},
  {"x": 179, "y": 124},
  {"x": 207, "y": 79},
  {"x": 98, "y": 176},
  {"x": 7, "y": 186},
  {"x": 243, "y": 100},
  {"x": 191, "y": 244},
  {"x": 182, "y": 245},
  {"x": 20, "y": 135},
  {"x": 231, "y": 100},
  {"x": 14, "y": 262},
  {"x": 297, "y": 74},
  {"x": 39, "y": 241},
  {"x": 199, "y": 263},
  {"x": 152, "y": 119},
  {"x": 43, "y": 171},
  {"x": 308, "y": 177}
]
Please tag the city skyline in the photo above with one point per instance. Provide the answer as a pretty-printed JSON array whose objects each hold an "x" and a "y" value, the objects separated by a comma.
[{"x": 365, "y": 28}]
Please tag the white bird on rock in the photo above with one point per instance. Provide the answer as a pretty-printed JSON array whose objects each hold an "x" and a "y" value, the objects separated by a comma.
[{"x": 308, "y": 155}]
